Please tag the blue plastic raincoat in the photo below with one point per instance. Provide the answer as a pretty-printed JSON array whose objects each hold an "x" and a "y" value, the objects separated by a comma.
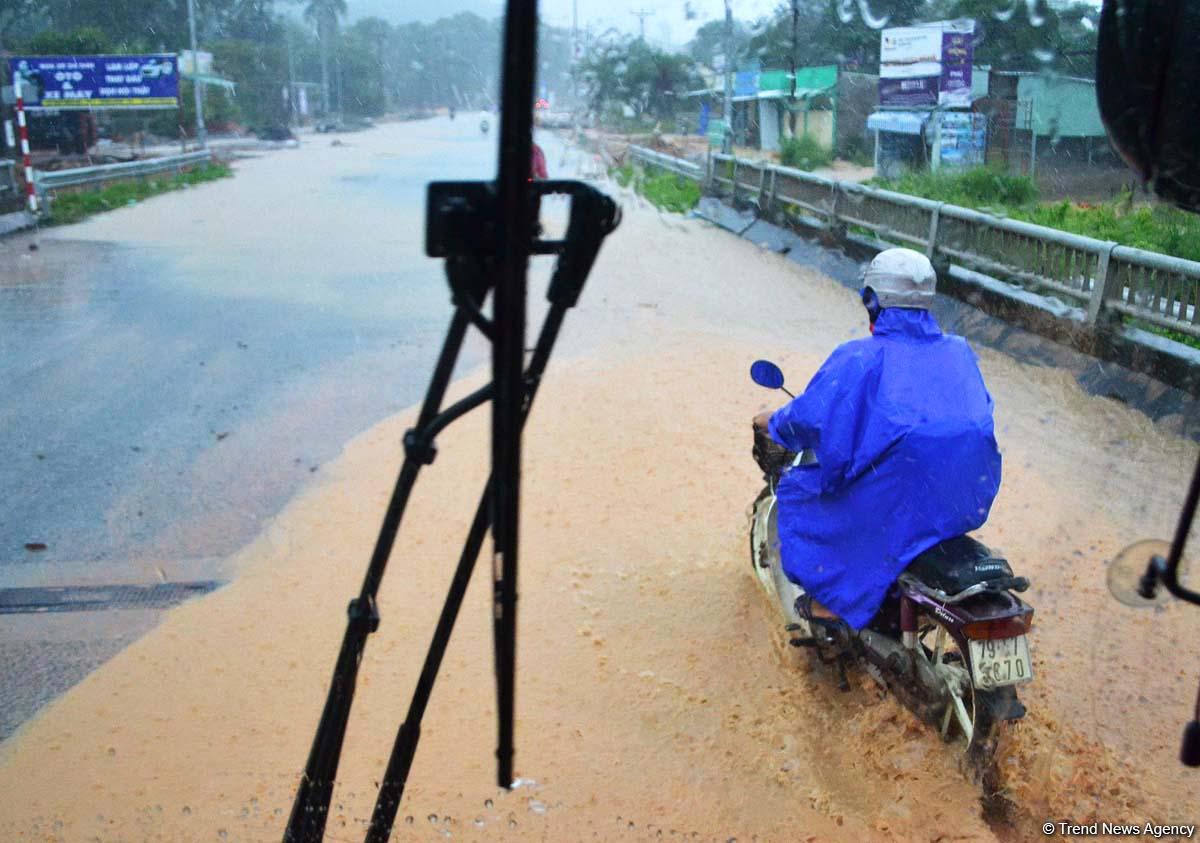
[{"x": 901, "y": 424}]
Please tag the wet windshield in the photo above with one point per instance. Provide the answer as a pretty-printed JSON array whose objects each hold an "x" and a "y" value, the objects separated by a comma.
[{"x": 218, "y": 320}]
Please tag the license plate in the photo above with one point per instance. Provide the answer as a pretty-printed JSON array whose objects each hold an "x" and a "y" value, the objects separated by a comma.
[{"x": 1000, "y": 661}]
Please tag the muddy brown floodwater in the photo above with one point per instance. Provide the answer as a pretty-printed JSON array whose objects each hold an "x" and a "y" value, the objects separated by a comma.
[{"x": 655, "y": 700}]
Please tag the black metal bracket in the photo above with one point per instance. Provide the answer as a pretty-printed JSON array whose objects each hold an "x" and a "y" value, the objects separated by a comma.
[
  {"x": 461, "y": 229},
  {"x": 1165, "y": 572}
]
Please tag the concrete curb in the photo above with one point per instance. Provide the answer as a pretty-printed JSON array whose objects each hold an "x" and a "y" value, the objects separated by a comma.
[{"x": 16, "y": 221}]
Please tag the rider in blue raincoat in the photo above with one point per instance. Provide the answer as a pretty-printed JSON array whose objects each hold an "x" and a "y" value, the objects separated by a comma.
[{"x": 901, "y": 426}]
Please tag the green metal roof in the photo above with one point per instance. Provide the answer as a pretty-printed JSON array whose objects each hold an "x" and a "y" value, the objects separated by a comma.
[{"x": 810, "y": 81}]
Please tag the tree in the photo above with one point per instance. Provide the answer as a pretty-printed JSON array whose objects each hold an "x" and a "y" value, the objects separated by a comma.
[
  {"x": 709, "y": 43},
  {"x": 624, "y": 71},
  {"x": 1045, "y": 38},
  {"x": 324, "y": 14},
  {"x": 86, "y": 40}
]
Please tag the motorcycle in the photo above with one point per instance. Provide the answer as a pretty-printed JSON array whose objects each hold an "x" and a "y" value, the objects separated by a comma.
[
  {"x": 483, "y": 126},
  {"x": 951, "y": 639}
]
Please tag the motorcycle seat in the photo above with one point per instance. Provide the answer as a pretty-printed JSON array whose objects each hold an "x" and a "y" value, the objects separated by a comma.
[{"x": 957, "y": 564}]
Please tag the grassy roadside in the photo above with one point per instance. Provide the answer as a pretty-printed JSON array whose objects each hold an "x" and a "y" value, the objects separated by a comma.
[
  {"x": 1157, "y": 228},
  {"x": 68, "y": 208},
  {"x": 667, "y": 191}
]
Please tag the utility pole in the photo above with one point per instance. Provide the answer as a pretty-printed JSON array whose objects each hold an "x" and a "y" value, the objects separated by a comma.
[
  {"x": 795, "y": 42},
  {"x": 201, "y": 132},
  {"x": 727, "y": 119},
  {"x": 293, "y": 115},
  {"x": 575, "y": 60},
  {"x": 641, "y": 15}
]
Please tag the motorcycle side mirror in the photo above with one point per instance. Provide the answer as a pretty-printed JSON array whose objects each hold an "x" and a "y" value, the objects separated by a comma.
[{"x": 767, "y": 374}]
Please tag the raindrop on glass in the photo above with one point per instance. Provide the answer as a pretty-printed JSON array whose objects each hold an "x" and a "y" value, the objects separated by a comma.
[
  {"x": 1035, "y": 16},
  {"x": 1006, "y": 15},
  {"x": 869, "y": 17}
]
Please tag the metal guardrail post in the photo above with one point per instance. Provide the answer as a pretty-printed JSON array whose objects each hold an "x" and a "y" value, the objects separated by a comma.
[
  {"x": 934, "y": 216},
  {"x": 1104, "y": 287}
]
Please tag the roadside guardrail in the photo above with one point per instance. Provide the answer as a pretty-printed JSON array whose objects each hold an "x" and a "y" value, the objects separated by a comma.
[
  {"x": 1098, "y": 276},
  {"x": 54, "y": 179}
]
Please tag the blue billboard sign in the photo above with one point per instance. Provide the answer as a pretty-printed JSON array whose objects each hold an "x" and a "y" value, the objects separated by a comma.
[{"x": 91, "y": 82}]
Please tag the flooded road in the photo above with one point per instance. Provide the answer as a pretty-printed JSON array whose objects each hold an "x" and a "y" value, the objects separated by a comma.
[
  {"x": 655, "y": 698},
  {"x": 173, "y": 372}
]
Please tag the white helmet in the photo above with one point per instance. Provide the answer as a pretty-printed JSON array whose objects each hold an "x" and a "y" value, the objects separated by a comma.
[{"x": 902, "y": 278}]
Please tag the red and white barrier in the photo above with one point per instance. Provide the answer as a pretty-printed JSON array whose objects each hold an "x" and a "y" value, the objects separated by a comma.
[{"x": 23, "y": 131}]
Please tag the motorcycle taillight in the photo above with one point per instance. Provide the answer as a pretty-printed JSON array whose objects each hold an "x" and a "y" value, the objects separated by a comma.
[{"x": 1002, "y": 628}]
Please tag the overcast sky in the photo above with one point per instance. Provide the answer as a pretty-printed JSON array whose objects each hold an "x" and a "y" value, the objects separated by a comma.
[{"x": 667, "y": 25}]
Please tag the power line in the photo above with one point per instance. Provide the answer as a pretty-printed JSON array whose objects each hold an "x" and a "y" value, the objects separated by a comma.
[{"x": 641, "y": 15}]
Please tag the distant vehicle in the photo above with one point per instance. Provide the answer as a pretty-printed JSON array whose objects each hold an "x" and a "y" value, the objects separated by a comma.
[
  {"x": 275, "y": 132},
  {"x": 347, "y": 124}
]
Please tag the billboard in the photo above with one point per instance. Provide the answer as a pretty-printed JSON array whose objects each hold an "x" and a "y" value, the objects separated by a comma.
[
  {"x": 961, "y": 139},
  {"x": 927, "y": 66},
  {"x": 93, "y": 82}
]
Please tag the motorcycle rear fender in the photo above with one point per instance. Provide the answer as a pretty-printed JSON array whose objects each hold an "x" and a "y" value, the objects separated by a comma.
[{"x": 989, "y": 606}]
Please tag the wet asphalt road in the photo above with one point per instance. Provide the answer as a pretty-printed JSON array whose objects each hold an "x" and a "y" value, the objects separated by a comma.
[{"x": 160, "y": 399}]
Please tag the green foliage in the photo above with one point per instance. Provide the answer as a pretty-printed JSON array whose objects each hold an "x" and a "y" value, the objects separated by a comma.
[
  {"x": 982, "y": 187},
  {"x": 804, "y": 153},
  {"x": 623, "y": 71},
  {"x": 83, "y": 41},
  {"x": 665, "y": 190},
  {"x": 1177, "y": 336},
  {"x": 624, "y": 175},
  {"x": 671, "y": 192},
  {"x": 1158, "y": 228},
  {"x": 709, "y": 43},
  {"x": 73, "y": 207}
]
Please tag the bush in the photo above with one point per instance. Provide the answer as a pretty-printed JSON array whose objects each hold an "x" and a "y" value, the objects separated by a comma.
[
  {"x": 858, "y": 151},
  {"x": 671, "y": 192},
  {"x": 804, "y": 153},
  {"x": 982, "y": 187},
  {"x": 667, "y": 191},
  {"x": 73, "y": 207}
]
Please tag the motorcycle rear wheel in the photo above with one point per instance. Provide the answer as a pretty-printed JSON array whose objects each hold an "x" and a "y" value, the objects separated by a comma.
[{"x": 968, "y": 718}]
